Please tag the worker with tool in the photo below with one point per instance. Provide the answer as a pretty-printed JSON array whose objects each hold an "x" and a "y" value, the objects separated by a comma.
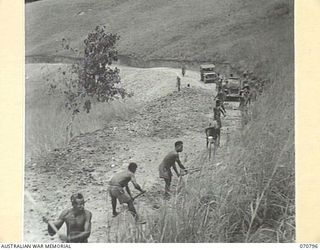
[
  {"x": 77, "y": 219},
  {"x": 116, "y": 190},
  {"x": 169, "y": 162}
]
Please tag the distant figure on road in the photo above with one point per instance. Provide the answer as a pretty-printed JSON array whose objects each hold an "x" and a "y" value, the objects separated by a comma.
[
  {"x": 178, "y": 83},
  {"x": 183, "y": 70},
  {"x": 242, "y": 100},
  {"x": 246, "y": 95},
  {"x": 217, "y": 111},
  {"x": 253, "y": 93},
  {"x": 117, "y": 183},
  {"x": 77, "y": 219},
  {"x": 243, "y": 106},
  {"x": 219, "y": 82},
  {"x": 87, "y": 106},
  {"x": 169, "y": 162}
]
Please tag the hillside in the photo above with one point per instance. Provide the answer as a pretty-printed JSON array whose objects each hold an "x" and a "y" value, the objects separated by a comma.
[
  {"x": 46, "y": 130},
  {"x": 245, "y": 194},
  {"x": 92, "y": 158},
  {"x": 242, "y": 32}
]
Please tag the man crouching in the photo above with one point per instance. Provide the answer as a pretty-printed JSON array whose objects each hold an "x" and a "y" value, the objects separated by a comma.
[{"x": 117, "y": 183}]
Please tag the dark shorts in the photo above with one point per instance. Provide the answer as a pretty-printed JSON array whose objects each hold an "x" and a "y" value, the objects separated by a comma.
[
  {"x": 165, "y": 173},
  {"x": 219, "y": 123},
  {"x": 213, "y": 132},
  {"x": 119, "y": 193}
]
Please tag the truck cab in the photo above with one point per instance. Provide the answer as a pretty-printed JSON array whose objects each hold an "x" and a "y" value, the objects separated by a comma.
[
  {"x": 207, "y": 71},
  {"x": 210, "y": 77}
]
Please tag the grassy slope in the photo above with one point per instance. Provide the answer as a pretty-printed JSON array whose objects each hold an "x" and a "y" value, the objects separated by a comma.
[{"x": 240, "y": 31}]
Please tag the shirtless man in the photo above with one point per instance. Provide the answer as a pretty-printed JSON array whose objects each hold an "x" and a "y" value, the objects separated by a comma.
[
  {"x": 253, "y": 93},
  {"x": 117, "y": 183},
  {"x": 242, "y": 100},
  {"x": 169, "y": 161},
  {"x": 87, "y": 106},
  {"x": 221, "y": 95},
  {"x": 183, "y": 70},
  {"x": 178, "y": 83},
  {"x": 246, "y": 95},
  {"x": 213, "y": 130},
  {"x": 77, "y": 219},
  {"x": 217, "y": 111}
]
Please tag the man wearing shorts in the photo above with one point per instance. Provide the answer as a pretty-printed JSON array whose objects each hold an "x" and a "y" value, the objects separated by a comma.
[
  {"x": 117, "y": 183},
  {"x": 213, "y": 130},
  {"x": 169, "y": 161}
]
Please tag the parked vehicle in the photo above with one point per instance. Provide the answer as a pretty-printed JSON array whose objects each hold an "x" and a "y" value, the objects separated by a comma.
[
  {"x": 207, "y": 68},
  {"x": 232, "y": 88},
  {"x": 210, "y": 77}
]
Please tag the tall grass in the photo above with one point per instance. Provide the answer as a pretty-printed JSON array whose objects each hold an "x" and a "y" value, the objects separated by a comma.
[
  {"x": 47, "y": 118},
  {"x": 46, "y": 125},
  {"x": 248, "y": 198}
]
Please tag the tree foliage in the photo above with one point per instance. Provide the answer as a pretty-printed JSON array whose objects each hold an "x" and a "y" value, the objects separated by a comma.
[
  {"x": 96, "y": 75},
  {"x": 92, "y": 78}
]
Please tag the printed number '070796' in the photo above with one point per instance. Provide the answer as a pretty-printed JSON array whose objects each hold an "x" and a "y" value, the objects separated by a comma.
[{"x": 312, "y": 246}]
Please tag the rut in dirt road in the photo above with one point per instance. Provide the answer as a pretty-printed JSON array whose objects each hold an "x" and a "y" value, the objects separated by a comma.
[{"x": 90, "y": 159}]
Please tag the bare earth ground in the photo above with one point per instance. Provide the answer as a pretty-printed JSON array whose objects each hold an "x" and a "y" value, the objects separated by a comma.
[{"x": 92, "y": 158}]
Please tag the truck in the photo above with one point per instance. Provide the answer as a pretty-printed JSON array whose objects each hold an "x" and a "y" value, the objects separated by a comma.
[
  {"x": 232, "y": 87},
  {"x": 208, "y": 74}
]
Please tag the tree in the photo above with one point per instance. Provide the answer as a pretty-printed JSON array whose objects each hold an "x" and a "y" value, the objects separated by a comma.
[
  {"x": 92, "y": 76},
  {"x": 96, "y": 75}
]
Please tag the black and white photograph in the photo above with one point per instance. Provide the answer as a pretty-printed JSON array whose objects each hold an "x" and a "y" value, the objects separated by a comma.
[{"x": 151, "y": 121}]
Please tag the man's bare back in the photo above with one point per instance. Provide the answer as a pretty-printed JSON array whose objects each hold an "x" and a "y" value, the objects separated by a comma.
[{"x": 122, "y": 178}]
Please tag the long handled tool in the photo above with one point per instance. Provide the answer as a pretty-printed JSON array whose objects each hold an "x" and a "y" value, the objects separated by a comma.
[
  {"x": 135, "y": 197},
  {"x": 190, "y": 171},
  {"x": 30, "y": 198}
]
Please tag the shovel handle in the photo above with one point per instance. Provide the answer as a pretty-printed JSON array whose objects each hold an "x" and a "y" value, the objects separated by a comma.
[{"x": 133, "y": 198}]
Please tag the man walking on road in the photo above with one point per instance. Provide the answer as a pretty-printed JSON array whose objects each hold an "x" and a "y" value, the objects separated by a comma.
[
  {"x": 117, "y": 183},
  {"x": 169, "y": 161},
  {"x": 77, "y": 219},
  {"x": 183, "y": 70},
  {"x": 178, "y": 83}
]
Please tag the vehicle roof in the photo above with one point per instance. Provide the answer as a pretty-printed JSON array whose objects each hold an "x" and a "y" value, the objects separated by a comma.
[
  {"x": 209, "y": 73},
  {"x": 207, "y": 66}
]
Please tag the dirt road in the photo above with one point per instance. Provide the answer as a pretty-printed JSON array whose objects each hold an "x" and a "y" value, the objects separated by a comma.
[{"x": 90, "y": 159}]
